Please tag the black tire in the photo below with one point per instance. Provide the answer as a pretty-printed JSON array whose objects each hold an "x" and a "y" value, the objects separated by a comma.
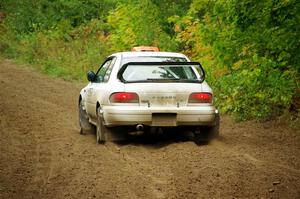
[
  {"x": 214, "y": 130},
  {"x": 201, "y": 136},
  {"x": 204, "y": 134},
  {"x": 84, "y": 124},
  {"x": 101, "y": 129}
]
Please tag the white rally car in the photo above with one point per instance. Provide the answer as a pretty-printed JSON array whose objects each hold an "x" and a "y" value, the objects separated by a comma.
[{"x": 145, "y": 90}]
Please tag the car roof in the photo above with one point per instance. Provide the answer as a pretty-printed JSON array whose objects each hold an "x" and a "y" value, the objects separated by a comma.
[{"x": 149, "y": 54}]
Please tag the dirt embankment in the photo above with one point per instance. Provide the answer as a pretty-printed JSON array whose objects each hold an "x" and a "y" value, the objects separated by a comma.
[{"x": 42, "y": 155}]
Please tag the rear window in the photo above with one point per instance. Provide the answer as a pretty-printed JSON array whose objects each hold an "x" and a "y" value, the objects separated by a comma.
[{"x": 162, "y": 72}]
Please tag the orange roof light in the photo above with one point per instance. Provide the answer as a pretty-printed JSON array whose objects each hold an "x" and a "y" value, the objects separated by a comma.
[{"x": 145, "y": 49}]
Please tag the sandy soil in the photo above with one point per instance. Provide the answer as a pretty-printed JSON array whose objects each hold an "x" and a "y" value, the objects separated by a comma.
[{"x": 43, "y": 155}]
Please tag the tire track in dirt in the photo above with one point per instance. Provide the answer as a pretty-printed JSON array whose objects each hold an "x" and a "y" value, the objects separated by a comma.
[
  {"x": 154, "y": 173},
  {"x": 255, "y": 161},
  {"x": 43, "y": 167},
  {"x": 43, "y": 155}
]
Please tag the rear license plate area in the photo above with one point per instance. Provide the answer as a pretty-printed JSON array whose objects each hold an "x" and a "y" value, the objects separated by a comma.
[{"x": 164, "y": 119}]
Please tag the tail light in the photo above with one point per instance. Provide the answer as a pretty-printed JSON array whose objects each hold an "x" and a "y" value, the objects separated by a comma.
[
  {"x": 200, "y": 98},
  {"x": 124, "y": 97}
]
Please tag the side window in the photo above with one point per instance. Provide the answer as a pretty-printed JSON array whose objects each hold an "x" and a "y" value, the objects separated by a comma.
[
  {"x": 109, "y": 69},
  {"x": 100, "y": 75}
]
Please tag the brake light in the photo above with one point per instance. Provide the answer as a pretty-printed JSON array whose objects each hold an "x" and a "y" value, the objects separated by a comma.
[
  {"x": 124, "y": 97},
  {"x": 200, "y": 98}
]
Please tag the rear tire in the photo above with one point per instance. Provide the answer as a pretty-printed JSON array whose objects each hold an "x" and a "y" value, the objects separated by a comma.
[
  {"x": 84, "y": 124},
  {"x": 204, "y": 134},
  {"x": 214, "y": 131}
]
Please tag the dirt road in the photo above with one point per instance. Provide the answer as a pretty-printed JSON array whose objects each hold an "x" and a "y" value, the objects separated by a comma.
[{"x": 43, "y": 155}]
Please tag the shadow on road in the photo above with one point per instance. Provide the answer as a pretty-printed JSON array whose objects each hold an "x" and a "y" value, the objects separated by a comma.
[{"x": 158, "y": 140}]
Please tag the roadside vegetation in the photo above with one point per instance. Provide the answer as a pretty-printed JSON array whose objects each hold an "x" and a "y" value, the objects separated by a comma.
[{"x": 249, "y": 48}]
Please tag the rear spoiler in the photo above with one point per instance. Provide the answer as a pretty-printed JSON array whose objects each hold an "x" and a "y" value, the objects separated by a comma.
[{"x": 123, "y": 68}]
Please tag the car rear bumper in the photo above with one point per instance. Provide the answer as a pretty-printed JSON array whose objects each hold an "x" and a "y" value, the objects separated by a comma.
[{"x": 132, "y": 115}]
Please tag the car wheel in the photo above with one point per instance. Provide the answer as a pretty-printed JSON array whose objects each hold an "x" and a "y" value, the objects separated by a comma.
[
  {"x": 204, "y": 134},
  {"x": 84, "y": 124},
  {"x": 101, "y": 130},
  {"x": 213, "y": 131}
]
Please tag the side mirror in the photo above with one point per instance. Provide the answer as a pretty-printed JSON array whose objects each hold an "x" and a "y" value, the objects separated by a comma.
[{"x": 90, "y": 76}]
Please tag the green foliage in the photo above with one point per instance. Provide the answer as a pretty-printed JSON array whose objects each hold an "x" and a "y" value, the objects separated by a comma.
[
  {"x": 67, "y": 54},
  {"x": 249, "y": 48},
  {"x": 134, "y": 24},
  {"x": 32, "y": 15}
]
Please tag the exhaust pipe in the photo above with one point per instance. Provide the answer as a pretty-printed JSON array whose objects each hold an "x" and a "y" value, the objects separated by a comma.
[{"x": 139, "y": 127}]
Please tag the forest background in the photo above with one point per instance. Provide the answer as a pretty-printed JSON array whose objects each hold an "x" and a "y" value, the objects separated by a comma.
[{"x": 250, "y": 49}]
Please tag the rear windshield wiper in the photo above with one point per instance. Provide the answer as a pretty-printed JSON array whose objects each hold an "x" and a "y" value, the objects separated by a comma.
[
  {"x": 163, "y": 79},
  {"x": 191, "y": 80},
  {"x": 175, "y": 80}
]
